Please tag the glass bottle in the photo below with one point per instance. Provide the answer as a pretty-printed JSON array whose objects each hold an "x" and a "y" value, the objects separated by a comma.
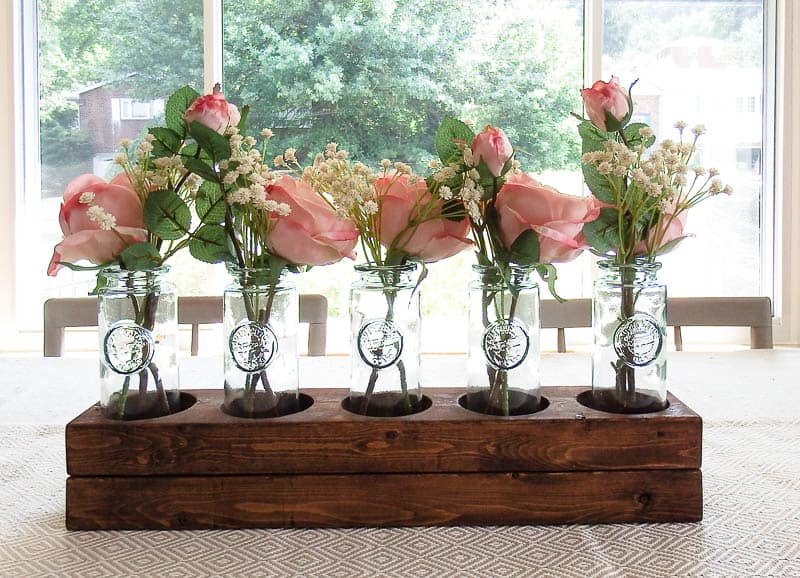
[
  {"x": 137, "y": 316},
  {"x": 385, "y": 341},
  {"x": 504, "y": 328},
  {"x": 260, "y": 322},
  {"x": 629, "y": 320}
]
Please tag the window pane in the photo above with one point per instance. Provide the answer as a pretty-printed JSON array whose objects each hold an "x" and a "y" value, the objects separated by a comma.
[
  {"x": 702, "y": 62},
  {"x": 104, "y": 72},
  {"x": 378, "y": 76}
]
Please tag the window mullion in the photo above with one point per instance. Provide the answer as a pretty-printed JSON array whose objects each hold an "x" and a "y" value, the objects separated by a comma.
[
  {"x": 592, "y": 41},
  {"x": 212, "y": 43}
]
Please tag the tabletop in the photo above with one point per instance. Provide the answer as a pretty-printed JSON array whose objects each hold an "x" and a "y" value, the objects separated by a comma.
[{"x": 748, "y": 400}]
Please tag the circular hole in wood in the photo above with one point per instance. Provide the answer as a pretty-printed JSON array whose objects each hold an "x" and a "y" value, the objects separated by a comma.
[
  {"x": 606, "y": 401},
  {"x": 264, "y": 406},
  {"x": 149, "y": 405},
  {"x": 519, "y": 403},
  {"x": 388, "y": 404}
]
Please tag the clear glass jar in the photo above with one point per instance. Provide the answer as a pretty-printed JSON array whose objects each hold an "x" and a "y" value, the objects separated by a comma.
[
  {"x": 260, "y": 321},
  {"x": 503, "y": 356},
  {"x": 385, "y": 341},
  {"x": 629, "y": 321},
  {"x": 137, "y": 317}
]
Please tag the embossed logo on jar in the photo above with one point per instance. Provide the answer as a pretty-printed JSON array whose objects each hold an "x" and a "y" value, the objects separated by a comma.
[
  {"x": 128, "y": 348},
  {"x": 252, "y": 346},
  {"x": 505, "y": 344},
  {"x": 638, "y": 340},
  {"x": 380, "y": 343}
]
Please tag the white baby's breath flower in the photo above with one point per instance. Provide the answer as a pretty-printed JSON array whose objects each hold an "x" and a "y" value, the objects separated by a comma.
[
  {"x": 605, "y": 168},
  {"x": 249, "y": 141},
  {"x": 370, "y": 207},
  {"x": 86, "y": 198},
  {"x": 271, "y": 205},
  {"x": 680, "y": 180},
  {"x": 121, "y": 159},
  {"x": 715, "y": 187},
  {"x": 699, "y": 129},
  {"x": 97, "y": 214},
  {"x": 444, "y": 174},
  {"x": 267, "y": 133},
  {"x": 515, "y": 164},
  {"x": 727, "y": 190},
  {"x": 468, "y": 158},
  {"x": 289, "y": 155},
  {"x": 236, "y": 141},
  {"x": 284, "y": 209},
  {"x": 385, "y": 163},
  {"x": 278, "y": 161},
  {"x": 148, "y": 138},
  {"x": 125, "y": 143},
  {"x": 474, "y": 175},
  {"x": 699, "y": 171},
  {"x": 680, "y": 125},
  {"x": 402, "y": 168},
  {"x": 434, "y": 164},
  {"x": 645, "y": 132},
  {"x": 446, "y": 193},
  {"x": 713, "y": 172}
]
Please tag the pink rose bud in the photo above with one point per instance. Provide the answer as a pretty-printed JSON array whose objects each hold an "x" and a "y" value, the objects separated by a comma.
[
  {"x": 607, "y": 104},
  {"x": 524, "y": 204},
  {"x": 435, "y": 239},
  {"x": 312, "y": 233},
  {"x": 492, "y": 145},
  {"x": 84, "y": 238},
  {"x": 213, "y": 111}
]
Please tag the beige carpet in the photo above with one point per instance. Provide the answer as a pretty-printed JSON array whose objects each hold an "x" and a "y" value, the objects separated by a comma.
[{"x": 751, "y": 527}]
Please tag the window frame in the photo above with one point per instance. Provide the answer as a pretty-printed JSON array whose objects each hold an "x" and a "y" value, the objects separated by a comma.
[{"x": 781, "y": 128}]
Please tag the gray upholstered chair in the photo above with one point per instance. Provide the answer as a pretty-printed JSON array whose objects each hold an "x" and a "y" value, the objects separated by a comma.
[{"x": 195, "y": 311}]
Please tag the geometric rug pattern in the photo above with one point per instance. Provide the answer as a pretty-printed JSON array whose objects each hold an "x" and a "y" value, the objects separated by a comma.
[{"x": 751, "y": 527}]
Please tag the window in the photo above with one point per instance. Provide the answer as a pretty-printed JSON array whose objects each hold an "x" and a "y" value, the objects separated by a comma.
[{"x": 378, "y": 76}]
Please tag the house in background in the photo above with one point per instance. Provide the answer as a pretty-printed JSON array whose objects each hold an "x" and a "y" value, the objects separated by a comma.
[{"x": 108, "y": 113}]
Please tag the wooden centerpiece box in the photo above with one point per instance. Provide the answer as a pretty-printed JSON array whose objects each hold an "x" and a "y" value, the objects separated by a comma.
[{"x": 327, "y": 467}]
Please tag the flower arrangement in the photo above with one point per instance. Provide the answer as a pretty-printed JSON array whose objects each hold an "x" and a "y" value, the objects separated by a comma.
[
  {"x": 645, "y": 191},
  {"x": 400, "y": 221},
  {"x": 518, "y": 225}
]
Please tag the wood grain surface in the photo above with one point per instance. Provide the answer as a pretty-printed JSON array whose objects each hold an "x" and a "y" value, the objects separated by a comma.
[
  {"x": 326, "y": 439},
  {"x": 207, "y": 502}
]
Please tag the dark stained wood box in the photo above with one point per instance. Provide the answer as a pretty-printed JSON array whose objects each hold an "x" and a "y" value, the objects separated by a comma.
[{"x": 327, "y": 467}]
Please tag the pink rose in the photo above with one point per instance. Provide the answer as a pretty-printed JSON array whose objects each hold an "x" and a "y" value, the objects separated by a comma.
[
  {"x": 83, "y": 237},
  {"x": 492, "y": 145},
  {"x": 671, "y": 229},
  {"x": 434, "y": 239},
  {"x": 606, "y": 98},
  {"x": 524, "y": 204},
  {"x": 312, "y": 234},
  {"x": 213, "y": 111}
]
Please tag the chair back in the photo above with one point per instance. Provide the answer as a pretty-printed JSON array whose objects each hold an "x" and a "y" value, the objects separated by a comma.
[{"x": 61, "y": 313}]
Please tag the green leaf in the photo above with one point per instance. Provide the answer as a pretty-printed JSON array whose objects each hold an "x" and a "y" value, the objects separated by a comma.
[
  {"x": 667, "y": 247},
  {"x": 166, "y": 215},
  {"x": 209, "y": 204},
  {"x": 600, "y": 185},
  {"x": 140, "y": 256},
  {"x": 216, "y": 145},
  {"x": 167, "y": 142},
  {"x": 176, "y": 107},
  {"x": 525, "y": 248},
  {"x": 100, "y": 282},
  {"x": 549, "y": 275},
  {"x": 243, "y": 114},
  {"x": 209, "y": 244},
  {"x": 201, "y": 169},
  {"x": 592, "y": 138},
  {"x": 451, "y": 129},
  {"x": 74, "y": 267},
  {"x": 633, "y": 137},
  {"x": 603, "y": 233}
]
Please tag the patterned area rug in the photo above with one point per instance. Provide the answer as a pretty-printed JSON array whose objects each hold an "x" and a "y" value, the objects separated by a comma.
[{"x": 751, "y": 527}]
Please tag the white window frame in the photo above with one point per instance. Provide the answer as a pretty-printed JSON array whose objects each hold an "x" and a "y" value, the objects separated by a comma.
[{"x": 782, "y": 119}]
